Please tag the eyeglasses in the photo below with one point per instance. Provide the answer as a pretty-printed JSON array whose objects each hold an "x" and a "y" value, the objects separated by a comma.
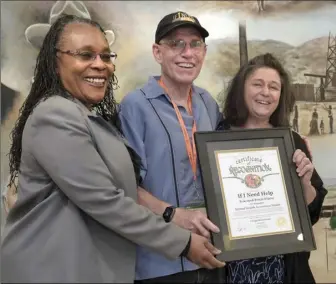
[
  {"x": 179, "y": 45},
  {"x": 87, "y": 56}
]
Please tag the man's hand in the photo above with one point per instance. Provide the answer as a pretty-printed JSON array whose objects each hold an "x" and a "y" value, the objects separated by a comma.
[
  {"x": 202, "y": 253},
  {"x": 195, "y": 221}
]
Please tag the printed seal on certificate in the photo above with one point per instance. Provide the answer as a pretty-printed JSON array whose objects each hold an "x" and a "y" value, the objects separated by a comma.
[{"x": 281, "y": 222}]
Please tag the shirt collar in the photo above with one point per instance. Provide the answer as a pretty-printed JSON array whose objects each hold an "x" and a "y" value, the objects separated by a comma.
[{"x": 152, "y": 89}]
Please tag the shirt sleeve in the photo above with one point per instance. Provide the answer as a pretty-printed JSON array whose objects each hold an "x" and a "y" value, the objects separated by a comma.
[{"x": 133, "y": 127}]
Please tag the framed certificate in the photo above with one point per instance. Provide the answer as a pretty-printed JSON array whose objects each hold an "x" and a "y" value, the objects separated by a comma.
[{"x": 253, "y": 193}]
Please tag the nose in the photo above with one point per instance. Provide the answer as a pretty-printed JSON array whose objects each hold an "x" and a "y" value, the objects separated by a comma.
[
  {"x": 187, "y": 51},
  {"x": 97, "y": 63},
  {"x": 266, "y": 91}
]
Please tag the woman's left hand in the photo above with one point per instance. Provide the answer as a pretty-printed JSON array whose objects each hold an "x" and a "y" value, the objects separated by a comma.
[{"x": 305, "y": 169}]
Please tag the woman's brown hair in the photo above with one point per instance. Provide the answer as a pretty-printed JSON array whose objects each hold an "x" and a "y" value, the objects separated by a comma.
[{"x": 235, "y": 111}]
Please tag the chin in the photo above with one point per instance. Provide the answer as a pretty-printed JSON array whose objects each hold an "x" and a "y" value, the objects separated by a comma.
[
  {"x": 263, "y": 113},
  {"x": 263, "y": 117},
  {"x": 97, "y": 99},
  {"x": 186, "y": 79}
]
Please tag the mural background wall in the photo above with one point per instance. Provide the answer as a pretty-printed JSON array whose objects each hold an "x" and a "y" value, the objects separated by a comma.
[{"x": 295, "y": 31}]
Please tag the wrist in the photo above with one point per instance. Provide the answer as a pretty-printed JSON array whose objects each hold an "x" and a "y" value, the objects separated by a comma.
[
  {"x": 176, "y": 216},
  {"x": 310, "y": 193}
]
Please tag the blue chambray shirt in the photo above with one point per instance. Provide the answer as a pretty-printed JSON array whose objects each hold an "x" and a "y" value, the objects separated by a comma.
[{"x": 151, "y": 127}]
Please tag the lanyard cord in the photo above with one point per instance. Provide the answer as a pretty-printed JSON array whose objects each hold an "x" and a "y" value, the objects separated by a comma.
[{"x": 190, "y": 145}]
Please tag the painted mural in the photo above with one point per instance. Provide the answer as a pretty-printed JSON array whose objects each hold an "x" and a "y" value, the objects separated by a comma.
[{"x": 302, "y": 34}]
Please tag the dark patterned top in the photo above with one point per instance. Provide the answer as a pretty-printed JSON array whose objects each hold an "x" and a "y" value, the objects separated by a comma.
[
  {"x": 253, "y": 270},
  {"x": 269, "y": 269}
]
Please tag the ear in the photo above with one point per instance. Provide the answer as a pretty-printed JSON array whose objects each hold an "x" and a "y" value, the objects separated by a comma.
[{"x": 157, "y": 53}]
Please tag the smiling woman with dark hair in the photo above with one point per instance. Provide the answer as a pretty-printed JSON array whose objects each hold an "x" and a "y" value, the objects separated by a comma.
[
  {"x": 76, "y": 219},
  {"x": 237, "y": 111},
  {"x": 259, "y": 96}
]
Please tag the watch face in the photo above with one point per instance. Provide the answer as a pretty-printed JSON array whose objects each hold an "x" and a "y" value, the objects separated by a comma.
[{"x": 168, "y": 214}]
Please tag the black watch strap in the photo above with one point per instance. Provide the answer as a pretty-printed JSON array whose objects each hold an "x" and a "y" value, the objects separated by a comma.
[{"x": 168, "y": 214}]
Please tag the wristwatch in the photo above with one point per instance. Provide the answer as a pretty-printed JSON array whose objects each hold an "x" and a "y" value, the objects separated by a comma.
[{"x": 168, "y": 214}]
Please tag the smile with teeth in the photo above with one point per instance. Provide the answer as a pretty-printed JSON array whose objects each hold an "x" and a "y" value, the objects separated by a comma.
[
  {"x": 185, "y": 65},
  {"x": 263, "y": 102},
  {"x": 95, "y": 81}
]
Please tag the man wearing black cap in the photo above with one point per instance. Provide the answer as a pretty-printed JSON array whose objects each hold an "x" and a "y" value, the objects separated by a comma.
[
  {"x": 175, "y": 20},
  {"x": 159, "y": 120}
]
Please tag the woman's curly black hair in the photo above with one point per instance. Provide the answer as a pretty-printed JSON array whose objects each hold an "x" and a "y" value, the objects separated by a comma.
[{"x": 47, "y": 83}]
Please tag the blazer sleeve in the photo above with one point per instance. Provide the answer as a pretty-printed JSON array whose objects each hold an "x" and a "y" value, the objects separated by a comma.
[
  {"x": 63, "y": 146},
  {"x": 315, "y": 206}
]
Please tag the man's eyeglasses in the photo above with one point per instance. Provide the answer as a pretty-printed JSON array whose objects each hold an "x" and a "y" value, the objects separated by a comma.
[
  {"x": 90, "y": 56},
  {"x": 179, "y": 45}
]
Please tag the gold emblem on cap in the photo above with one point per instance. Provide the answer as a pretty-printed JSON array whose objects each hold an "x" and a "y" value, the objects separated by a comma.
[{"x": 180, "y": 16}]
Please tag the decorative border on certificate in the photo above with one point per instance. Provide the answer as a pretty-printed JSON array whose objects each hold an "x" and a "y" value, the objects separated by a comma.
[{"x": 254, "y": 192}]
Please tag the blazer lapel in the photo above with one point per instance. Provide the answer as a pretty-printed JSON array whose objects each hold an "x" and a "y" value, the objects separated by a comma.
[
  {"x": 98, "y": 119},
  {"x": 103, "y": 123}
]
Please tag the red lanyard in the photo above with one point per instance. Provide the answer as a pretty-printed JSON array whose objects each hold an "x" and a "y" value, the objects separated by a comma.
[{"x": 190, "y": 145}]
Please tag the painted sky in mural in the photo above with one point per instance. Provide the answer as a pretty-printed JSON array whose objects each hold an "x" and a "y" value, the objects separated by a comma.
[{"x": 135, "y": 22}]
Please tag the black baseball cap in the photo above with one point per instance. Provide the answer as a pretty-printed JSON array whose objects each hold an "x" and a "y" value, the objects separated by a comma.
[{"x": 178, "y": 19}]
